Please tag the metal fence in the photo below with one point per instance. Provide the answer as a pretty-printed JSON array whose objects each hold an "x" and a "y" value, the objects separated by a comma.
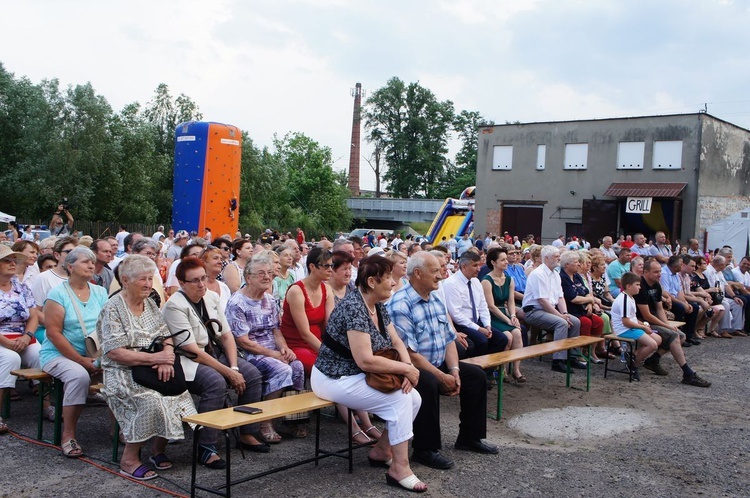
[{"x": 99, "y": 229}]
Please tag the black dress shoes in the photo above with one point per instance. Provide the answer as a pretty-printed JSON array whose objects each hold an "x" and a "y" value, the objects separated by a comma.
[
  {"x": 477, "y": 446},
  {"x": 580, "y": 365},
  {"x": 559, "y": 366},
  {"x": 432, "y": 459}
]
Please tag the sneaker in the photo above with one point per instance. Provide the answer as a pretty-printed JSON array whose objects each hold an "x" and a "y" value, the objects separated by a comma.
[
  {"x": 634, "y": 374},
  {"x": 696, "y": 380},
  {"x": 656, "y": 368}
]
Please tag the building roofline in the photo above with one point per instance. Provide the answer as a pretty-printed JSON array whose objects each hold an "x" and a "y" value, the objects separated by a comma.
[{"x": 619, "y": 119}]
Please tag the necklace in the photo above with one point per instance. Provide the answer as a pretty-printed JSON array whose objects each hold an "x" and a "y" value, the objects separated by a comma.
[{"x": 372, "y": 311}]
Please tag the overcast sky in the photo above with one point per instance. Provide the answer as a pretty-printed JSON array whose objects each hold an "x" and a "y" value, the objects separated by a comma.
[{"x": 273, "y": 66}]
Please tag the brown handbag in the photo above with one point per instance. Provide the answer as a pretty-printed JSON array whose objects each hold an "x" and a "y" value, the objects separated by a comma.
[{"x": 385, "y": 382}]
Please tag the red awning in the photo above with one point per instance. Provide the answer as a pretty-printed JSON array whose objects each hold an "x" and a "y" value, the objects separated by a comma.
[{"x": 670, "y": 190}]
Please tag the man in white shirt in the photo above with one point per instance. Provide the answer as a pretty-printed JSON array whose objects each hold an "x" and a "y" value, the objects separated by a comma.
[
  {"x": 453, "y": 246},
  {"x": 120, "y": 236},
  {"x": 545, "y": 307},
  {"x": 559, "y": 241},
  {"x": 468, "y": 308},
  {"x": 607, "y": 250}
]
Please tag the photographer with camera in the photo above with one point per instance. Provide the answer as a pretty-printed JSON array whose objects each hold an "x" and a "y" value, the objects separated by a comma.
[{"x": 58, "y": 226}]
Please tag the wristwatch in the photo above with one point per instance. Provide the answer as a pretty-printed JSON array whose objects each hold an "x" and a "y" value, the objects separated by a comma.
[
  {"x": 29, "y": 334},
  {"x": 235, "y": 368}
]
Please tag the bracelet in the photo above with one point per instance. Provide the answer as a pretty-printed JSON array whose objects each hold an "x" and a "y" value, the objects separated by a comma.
[
  {"x": 454, "y": 368},
  {"x": 31, "y": 335},
  {"x": 512, "y": 316},
  {"x": 235, "y": 368}
]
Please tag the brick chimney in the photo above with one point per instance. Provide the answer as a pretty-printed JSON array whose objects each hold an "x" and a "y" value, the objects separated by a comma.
[{"x": 355, "y": 145}]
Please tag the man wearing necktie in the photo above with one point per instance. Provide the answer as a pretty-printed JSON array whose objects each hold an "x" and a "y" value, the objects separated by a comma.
[{"x": 468, "y": 308}]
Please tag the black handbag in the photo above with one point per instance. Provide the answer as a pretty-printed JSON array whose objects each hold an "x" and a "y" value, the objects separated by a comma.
[{"x": 148, "y": 376}]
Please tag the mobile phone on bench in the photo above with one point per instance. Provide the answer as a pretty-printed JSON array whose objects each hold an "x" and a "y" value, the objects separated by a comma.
[{"x": 250, "y": 410}]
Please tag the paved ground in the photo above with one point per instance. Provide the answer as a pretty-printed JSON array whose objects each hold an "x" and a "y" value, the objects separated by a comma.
[{"x": 697, "y": 443}]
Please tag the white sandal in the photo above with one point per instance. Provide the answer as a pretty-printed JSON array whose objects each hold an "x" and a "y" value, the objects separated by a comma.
[
  {"x": 358, "y": 433},
  {"x": 407, "y": 483}
]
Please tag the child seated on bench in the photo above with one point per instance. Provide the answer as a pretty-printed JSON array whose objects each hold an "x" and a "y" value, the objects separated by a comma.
[{"x": 625, "y": 324}]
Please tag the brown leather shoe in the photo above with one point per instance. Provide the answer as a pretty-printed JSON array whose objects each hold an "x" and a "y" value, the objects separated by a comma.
[
  {"x": 739, "y": 333},
  {"x": 725, "y": 335}
]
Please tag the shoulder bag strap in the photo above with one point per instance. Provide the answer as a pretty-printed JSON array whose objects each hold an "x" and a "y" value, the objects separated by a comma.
[{"x": 77, "y": 309}]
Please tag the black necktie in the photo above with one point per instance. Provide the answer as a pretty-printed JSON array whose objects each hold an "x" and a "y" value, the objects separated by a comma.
[{"x": 473, "y": 304}]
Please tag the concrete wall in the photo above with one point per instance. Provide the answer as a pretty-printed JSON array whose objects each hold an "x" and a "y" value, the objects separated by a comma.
[
  {"x": 724, "y": 183},
  {"x": 554, "y": 184}
]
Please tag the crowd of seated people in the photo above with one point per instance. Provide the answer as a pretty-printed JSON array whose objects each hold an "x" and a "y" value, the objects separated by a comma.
[{"x": 260, "y": 318}]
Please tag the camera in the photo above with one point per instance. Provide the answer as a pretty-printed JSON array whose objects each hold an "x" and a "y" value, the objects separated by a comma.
[
  {"x": 65, "y": 203},
  {"x": 710, "y": 312}
]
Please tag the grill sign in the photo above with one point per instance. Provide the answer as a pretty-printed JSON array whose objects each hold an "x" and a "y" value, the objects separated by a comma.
[{"x": 638, "y": 205}]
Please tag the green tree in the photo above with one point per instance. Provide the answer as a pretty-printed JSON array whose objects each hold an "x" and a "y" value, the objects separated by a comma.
[
  {"x": 463, "y": 172},
  {"x": 411, "y": 127},
  {"x": 314, "y": 187}
]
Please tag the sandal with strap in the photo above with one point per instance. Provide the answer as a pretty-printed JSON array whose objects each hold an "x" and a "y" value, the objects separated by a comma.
[
  {"x": 71, "y": 449},
  {"x": 269, "y": 434},
  {"x": 142, "y": 473},
  {"x": 375, "y": 437},
  {"x": 206, "y": 453},
  {"x": 361, "y": 433},
  {"x": 161, "y": 461},
  {"x": 408, "y": 483}
]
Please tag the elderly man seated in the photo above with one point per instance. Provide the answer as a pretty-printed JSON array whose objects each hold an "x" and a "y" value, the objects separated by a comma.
[
  {"x": 468, "y": 309},
  {"x": 544, "y": 305},
  {"x": 421, "y": 321},
  {"x": 607, "y": 249}
]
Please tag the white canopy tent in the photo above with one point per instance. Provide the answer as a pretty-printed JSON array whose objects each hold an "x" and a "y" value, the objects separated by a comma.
[
  {"x": 733, "y": 231},
  {"x": 6, "y": 218}
]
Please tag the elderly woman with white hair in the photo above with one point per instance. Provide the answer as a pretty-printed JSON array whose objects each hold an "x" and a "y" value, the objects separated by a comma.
[
  {"x": 70, "y": 314},
  {"x": 129, "y": 322},
  {"x": 581, "y": 303}
]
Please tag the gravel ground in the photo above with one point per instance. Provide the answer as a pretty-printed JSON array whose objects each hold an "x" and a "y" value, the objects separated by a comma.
[{"x": 657, "y": 437}]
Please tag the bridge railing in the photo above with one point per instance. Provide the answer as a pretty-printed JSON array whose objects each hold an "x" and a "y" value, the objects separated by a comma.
[{"x": 388, "y": 204}]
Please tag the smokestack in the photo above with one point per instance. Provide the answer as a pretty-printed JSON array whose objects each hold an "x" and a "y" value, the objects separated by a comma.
[{"x": 355, "y": 145}]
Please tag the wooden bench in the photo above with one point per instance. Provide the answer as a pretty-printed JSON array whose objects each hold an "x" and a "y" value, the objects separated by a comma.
[
  {"x": 48, "y": 385},
  {"x": 498, "y": 360},
  {"x": 226, "y": 419}
]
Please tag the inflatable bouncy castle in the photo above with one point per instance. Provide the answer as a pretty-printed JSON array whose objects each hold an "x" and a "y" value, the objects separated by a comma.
[
  {"x": 455, "y": 217},
  {"x": 206, "y": 177}
]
